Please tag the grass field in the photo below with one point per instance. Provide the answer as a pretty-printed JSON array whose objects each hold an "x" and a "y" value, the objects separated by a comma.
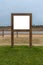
[{"x": 21, "y": 55}]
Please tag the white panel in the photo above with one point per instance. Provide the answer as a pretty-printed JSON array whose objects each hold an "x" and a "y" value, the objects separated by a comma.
[{"x": 21, "y": 22}]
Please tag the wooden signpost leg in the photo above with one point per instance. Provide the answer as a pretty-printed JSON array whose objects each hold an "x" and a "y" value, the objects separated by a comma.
[
  {"x": 12, "y": 32},
  {"x": 31, "y": 30},
  {"x": 12, "y": 39},
  {"x": 30, "y": 39}
]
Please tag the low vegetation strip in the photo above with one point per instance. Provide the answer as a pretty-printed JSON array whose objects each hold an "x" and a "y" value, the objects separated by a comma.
[{"x": 21, "y": 55}]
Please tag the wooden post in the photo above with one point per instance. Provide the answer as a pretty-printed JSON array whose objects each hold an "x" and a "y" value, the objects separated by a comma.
[
  {"x": 30, "y": 30},
  {"x": 17, "y": 34},
  {"x": 2, "y": 33},
  {"x": 12, "y": 32}
]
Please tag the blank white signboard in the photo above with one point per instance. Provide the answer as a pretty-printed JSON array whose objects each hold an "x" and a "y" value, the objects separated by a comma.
[{"x": 21, "y": 22}]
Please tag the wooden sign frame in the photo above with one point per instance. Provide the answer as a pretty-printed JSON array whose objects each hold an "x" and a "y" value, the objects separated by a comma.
[{"x": 21, "y": 30}]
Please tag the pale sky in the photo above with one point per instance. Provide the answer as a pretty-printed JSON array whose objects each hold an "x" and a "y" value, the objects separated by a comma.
[{"x": 21, "y": 6}]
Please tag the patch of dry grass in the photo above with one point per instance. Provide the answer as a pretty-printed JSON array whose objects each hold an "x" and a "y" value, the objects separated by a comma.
[{"x": 22, "y": 39}]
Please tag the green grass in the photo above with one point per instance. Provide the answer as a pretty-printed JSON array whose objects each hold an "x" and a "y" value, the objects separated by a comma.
[{"x": 21, "y": 55}]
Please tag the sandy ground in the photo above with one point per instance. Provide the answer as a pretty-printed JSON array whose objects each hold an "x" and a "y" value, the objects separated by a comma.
[{"x": 37, "y": 40}]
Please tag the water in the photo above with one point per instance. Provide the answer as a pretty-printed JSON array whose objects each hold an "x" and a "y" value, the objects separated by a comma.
[{"x": 33, "y": 32}]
